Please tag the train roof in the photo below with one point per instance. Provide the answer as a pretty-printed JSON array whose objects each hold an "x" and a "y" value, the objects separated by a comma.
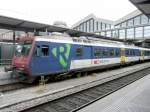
[{"x": 83, "y": 41}]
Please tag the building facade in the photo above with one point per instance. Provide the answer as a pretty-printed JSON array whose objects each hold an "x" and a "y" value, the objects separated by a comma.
[
  {"x": 133, "y": 26},
  {"x": 93, "y": 24}
]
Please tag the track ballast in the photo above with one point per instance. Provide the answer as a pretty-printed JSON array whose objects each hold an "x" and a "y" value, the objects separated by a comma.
[{"x": 81, "y": 99}]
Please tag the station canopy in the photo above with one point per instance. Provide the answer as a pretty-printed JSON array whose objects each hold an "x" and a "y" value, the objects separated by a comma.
[
  {"x": 143, "y": 5},
  {"x": 29, "y": 26}
]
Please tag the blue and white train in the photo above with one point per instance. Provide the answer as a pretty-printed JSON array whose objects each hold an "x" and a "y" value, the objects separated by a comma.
[{"x": 56, "y": 54}]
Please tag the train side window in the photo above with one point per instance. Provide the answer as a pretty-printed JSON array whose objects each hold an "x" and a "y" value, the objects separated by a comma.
[
  {"x": 134, "y": 53},
  {"x": 130, "y": 52},
  {"x": 37, "y": 51},
  {"x": 45, "y": 50},
  {"x": 111, "y": 51},
  {"x": 127, "y": 52},
  {"x": 117, "y": 52},
  {"x": 105, "y": 52},
  {"x": 79, "y": 52},
  {"x": 97, "y": 52}
]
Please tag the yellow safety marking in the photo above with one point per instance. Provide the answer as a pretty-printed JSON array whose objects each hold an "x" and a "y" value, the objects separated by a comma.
[
  {"x": 142, "y": 54},
  {"x": 122, "y": 55}
]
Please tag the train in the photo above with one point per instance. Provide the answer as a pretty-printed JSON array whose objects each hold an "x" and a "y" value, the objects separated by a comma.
[{"x": 59, "y": 53}]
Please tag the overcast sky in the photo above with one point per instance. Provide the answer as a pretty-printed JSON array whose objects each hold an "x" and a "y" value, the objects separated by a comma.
[{"x": 69, "y": 11}]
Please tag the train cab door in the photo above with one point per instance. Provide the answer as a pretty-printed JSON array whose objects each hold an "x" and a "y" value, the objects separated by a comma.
[
  {"x": 122, "y": 55},
  {"x": 40, "y": 60}
]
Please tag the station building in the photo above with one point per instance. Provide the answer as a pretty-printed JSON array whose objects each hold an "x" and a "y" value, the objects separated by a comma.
[
  {"x": 134, "y": 26},
  {"x": 93, "y": 24}
]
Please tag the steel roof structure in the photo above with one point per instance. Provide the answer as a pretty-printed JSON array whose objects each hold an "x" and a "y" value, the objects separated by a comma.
[
  {"x": 143, "y": 5},
  {"x": 29, "y": 26}
]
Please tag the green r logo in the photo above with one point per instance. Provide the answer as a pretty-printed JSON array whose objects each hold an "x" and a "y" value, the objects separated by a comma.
[{"x": 62, "y": 53}]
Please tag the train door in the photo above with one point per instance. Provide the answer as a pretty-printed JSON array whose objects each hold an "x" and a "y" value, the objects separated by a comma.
[
  {"x": 81, "y": 57},
  {"x": 122, "y": 55},
  {"x": 40, "y": 60},
  {"x": 142, "y": 55},
  {"x": 87, "y": 55}
]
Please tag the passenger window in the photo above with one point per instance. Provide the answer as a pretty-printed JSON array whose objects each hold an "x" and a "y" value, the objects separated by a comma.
[
  {"x": 133, "y": 52},
  {"x": 127, "y": 52},
  {"x": 79, "y": 52},
  {"x": 97, "y": 52},
  {"x": 117, "y": 52},
  {"x": 37, "y": 51},
  {"x": 105, "y": 52},
  {"x": 45, "y": 50},
  {"x": 111, "y": 51}
]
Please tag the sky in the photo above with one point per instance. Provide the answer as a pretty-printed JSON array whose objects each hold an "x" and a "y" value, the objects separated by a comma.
[{"x": 69, "y": 11}]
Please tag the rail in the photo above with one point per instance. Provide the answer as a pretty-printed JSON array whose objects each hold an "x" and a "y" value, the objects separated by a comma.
[{"x": 77, "y": 101}]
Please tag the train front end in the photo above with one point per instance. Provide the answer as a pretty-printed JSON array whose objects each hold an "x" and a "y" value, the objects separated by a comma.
[{"x": 22, "y": 57}]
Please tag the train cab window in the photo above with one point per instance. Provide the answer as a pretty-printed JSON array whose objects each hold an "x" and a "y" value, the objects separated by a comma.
[
  {"x": 37, "y": 51},
  {"x": 79, "y": 52},
  {"x": 45, "y": 50}
]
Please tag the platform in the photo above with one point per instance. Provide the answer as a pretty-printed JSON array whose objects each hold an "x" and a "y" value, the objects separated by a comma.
[
  {"x": 132, "y": 98},
  {"x": 6, "y": 77},
  {"x": 29, "y": 97}
]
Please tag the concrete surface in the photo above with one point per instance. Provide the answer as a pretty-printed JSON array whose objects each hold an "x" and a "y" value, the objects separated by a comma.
[
  {"x": 29, "y": 97},
  {"x": 132, "y": 98}
]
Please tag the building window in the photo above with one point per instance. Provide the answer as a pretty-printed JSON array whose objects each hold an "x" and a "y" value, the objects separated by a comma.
[
  {"x": 144, "y": 19},
  {"x": 88, "y": 28},
  {"x": 91, "y": 25},
  {"x": 130, "y": 33},
  {"x": 97, "y": 26},
  {"x": 122, "y": 34},
  {"x": 139, "y": 32},
  {"x": 108, "y": 34},
  {"x": 117, "y": 26},
  {"x": 85, "y": 27},
  {"x": 45, "y": 50},
  {"x": 137, "y": 20},
  {"x": 81, "y": 29},
  {"x": 102, "y": 33},
  {"x": 147, "y": 31},
  {"x": 130, "y": 22},
  {"x": 115, "y": 33},
  {"x": 103, "y": 26},
  {"x": 79, "y": 52},
  {"x": 124, "y": 24},
  {"x": 108, "y": 26}
]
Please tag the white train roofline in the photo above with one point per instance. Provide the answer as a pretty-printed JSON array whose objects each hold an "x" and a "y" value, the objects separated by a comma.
[{"x": 94, "y": 43}]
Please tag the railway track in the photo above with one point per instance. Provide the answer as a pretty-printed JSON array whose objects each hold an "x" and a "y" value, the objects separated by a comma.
[
  {"x": 12, "y": 87},
  {"x": 16, "y": 86},
  {"x": 76, "y": 101}
]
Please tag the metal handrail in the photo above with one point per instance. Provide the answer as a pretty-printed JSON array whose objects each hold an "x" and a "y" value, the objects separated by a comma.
[{"x": 5, "y": 62}]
